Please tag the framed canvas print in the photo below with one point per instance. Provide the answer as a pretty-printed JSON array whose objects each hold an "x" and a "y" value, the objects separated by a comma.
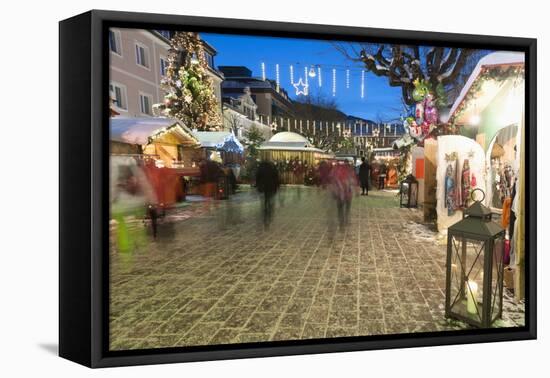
[{"x": 234, "y": 188}]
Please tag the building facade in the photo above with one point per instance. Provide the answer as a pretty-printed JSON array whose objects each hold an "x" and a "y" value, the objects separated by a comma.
[
  {"x": 138, "y": 61},
  {"x": 271, "y": 102}
]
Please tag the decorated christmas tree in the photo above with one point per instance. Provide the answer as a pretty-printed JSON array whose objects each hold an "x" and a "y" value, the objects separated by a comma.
[{"x": 190, "y": 95}]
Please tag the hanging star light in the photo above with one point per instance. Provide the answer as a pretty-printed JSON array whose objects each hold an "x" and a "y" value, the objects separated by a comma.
[
  {"x": 263, "y": 71},
  {"x": 319, "y": 76},
  {"x": 291, "y": 74},
  {"x": 301, "y": 87}
]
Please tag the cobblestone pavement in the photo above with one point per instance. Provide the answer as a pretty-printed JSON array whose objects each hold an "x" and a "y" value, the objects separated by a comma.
[{"x": 218, "y": 277}]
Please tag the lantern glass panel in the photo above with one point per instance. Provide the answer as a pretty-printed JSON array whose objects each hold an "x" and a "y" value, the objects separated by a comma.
[
  {"x": 404, "y": 194},
  {"x": 497, "y": 278},
  {"x": 413, "y": 194},
  {"x": 466, "y": 286}
]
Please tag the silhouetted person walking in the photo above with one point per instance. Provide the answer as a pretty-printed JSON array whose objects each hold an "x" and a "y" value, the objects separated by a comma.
[
  {"x": 364, "y": 177},
  {"x": 267, "y": 183}
]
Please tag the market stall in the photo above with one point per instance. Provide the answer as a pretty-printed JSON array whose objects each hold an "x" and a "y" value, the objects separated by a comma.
[
  {"x": 221, "y": 145},
  {"x": 165, "y": 140},
  {"x": 490, "y": 110},
  {"x": 293, "y": 154}
]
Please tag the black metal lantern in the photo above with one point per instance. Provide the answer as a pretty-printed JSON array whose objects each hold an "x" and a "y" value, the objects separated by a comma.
[
  {"x": 475, "y": 262},
  {"x": 409, "y": 192}
]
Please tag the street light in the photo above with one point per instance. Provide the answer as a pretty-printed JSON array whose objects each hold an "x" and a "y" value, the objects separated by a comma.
[{"x": 475, "y": 264}]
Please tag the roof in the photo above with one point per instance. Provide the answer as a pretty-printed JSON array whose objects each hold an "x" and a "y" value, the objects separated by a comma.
[
  {"x": 287, "y": 136},
  {"x": 141, "y": 130},
  {"x": 500, "y": 58},
  {"x": 289, "y": 141},
  {"x": 220, "y": 140},
  {"x": 474, "y": 226}
]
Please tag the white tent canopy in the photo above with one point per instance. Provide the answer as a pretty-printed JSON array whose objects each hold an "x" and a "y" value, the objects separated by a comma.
[{"x": 289, "y": 141}]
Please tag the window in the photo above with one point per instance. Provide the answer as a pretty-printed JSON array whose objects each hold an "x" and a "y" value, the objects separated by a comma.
[
  {"x": 163, "y": 66},
  {"x": 118, "y": 95},
  {"x": 142, "y": 58},
  {"x": 114, "y": 42},
  {"x": 164, "y": 33},
  {"x": 145, "y": 104},
  {"x": 209, "y": 59}
]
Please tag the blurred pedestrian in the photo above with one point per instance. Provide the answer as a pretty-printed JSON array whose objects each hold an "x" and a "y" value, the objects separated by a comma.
[
  {"x": 342, "y": 185},
  {"x": 364, "y": 176},
  {"x": 267, "y": 183}
]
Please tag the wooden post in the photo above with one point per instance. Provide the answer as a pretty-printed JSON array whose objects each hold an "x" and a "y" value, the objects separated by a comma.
[
  {"x": 430, "y": 170},
  {"x": 519, "y": 273}
]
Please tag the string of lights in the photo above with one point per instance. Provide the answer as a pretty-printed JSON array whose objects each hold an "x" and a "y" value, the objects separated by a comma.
[{"x": 315, "y": 71}]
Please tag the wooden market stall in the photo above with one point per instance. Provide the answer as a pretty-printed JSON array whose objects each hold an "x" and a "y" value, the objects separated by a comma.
[{"x": 170, "y": 143}]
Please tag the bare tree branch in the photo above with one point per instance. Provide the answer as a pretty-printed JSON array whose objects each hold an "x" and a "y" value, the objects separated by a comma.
[{"x": 402, "y": 65}]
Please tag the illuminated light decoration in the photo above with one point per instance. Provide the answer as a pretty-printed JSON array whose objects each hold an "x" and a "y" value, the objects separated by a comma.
[
  {"x": 312, "y": 72},
  {"x": 277, "y": 76},
  {"x": 301, "y": 87},
  {"x": 334, "y": 82},
  {"x": 362, "y": 83},
  {"x": 305, "y": 76},
  {"x": 291, "y": 74},
  {"x": 347, "y": 79},
  {"x": 475, "y": 120},
  {"x": 319, "y": 76},
  {"x": 263, "y": 71}
]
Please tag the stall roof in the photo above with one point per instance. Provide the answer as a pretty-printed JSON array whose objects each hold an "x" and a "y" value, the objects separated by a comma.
[
  {"x": 289, "y": 141},
  {"x": 140, "y": 130},
  {"x": 500, "y": 58},
  {"x": 220, "y": 140}
]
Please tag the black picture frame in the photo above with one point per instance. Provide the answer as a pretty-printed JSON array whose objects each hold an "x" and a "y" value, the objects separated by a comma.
[{"x": 83, "y": 181}]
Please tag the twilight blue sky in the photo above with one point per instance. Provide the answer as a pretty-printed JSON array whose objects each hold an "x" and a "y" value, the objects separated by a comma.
[{"x": 380, "y": 99}]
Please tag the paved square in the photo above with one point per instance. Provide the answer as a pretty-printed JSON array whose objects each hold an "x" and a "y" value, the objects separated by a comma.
[{"x": 217, "y": 277}]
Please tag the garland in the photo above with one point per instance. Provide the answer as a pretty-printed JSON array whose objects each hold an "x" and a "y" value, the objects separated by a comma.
[{"x": 495, "y": 74}]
